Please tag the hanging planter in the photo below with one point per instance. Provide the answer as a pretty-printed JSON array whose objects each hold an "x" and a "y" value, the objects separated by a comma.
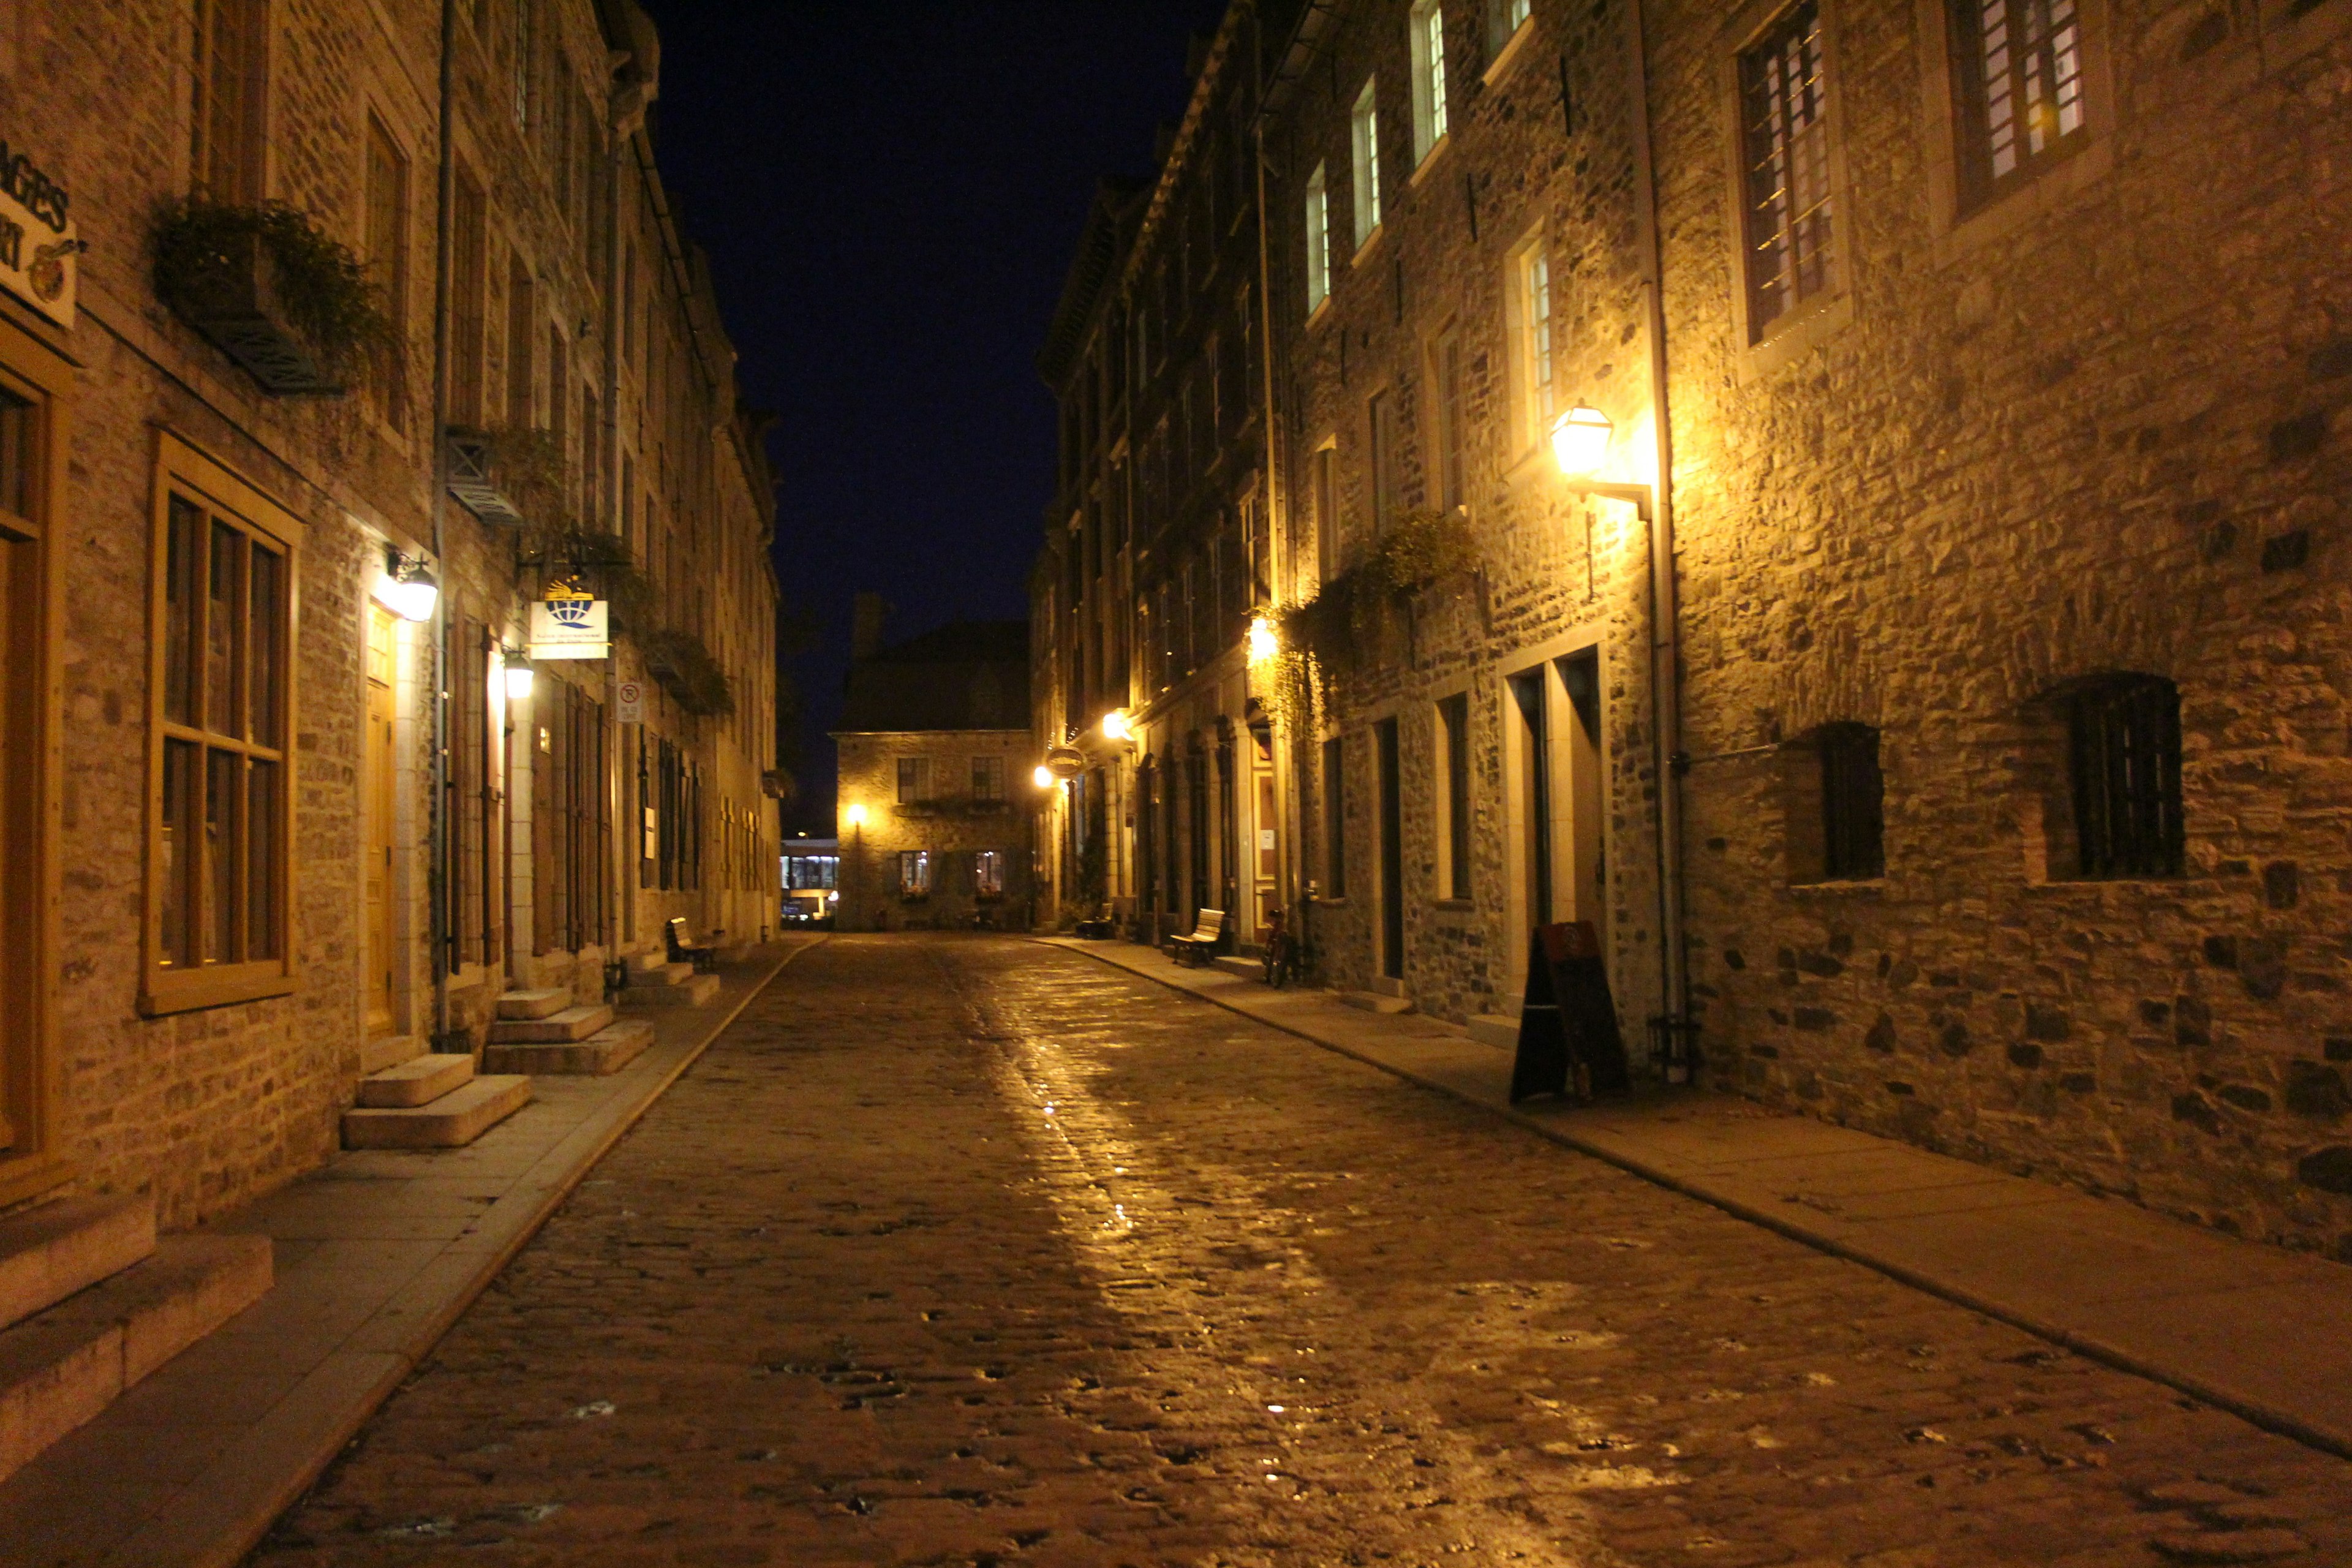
[{"x": 267, "y": 287}]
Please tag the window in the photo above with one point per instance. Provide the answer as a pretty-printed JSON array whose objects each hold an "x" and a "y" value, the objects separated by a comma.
[
  {"x": 2019, "y": 92},
  {"x": 1515, "y": 14},
  {"x": 1535, "y": 344},
  {"x": 988, "y": 778},
  {"x": 1335, "y": 821},
  {"x": 988, "y": 873},
  {"x": 522, "y": 332},
  {"x": 467, "y": 306},
  {"x": 218, "y": 814},
  {"x": 1451, "y": 487},
  {"x": 1454, "y": 742},
  {"x": 1833, "y": 801},
  {"x": 1367, "y": 138},
  {"x": 2124, "y": 748},
  {"x": 1381, "y": 418},
  {"x": 914, "y": 873},
  {"x": 1785, "y": 152},
  {"x": 229, "y": 115},
  {"x": 1318, "y": 248},
  {"x": 473, "y": 934},
  {"x": 387, "y": 257},
  {"x": 1428, "y": 77},
  {"x": 914, "y": 780},
  {"x": 1324, "y": 494}
]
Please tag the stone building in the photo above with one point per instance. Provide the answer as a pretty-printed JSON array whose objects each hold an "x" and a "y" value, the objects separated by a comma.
[
  {"x": 1159, "y": 544},
  {"x": 1938, "y": 645},
  {"x": 938, "y": 808},
  {"x": 282, "y": 814}
]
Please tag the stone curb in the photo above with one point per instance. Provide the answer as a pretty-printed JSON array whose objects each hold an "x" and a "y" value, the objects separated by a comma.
[
  {"x": 261, "y": 1478},
  {"x": 2256, "y": 1411}
]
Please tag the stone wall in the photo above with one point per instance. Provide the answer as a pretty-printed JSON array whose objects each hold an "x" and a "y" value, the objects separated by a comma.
[{"x": 2095, "y": 427}]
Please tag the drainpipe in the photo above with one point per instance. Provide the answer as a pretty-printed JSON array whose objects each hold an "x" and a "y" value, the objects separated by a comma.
[
  {"x": 445, "y": 245},
  {"x": 1676, "y": 1037},
  {"x": 1277, "y": 498}
]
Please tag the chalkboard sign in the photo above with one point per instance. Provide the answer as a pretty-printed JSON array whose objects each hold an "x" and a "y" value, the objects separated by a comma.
[{"x": 1568, "y": 1042}]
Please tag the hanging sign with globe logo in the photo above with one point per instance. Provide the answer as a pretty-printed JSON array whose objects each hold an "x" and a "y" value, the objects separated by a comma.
[{"x": 569, "y": 623}]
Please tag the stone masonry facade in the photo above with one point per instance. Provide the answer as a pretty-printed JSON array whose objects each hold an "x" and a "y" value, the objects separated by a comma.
[
  {"x": 580, "y": 313},
  {"x": 2016, "y": 382}
]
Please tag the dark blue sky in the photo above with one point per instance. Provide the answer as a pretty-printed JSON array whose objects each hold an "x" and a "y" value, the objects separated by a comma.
[{"x": 890, "y": 193}]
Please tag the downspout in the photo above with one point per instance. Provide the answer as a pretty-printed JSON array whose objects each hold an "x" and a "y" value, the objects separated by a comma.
[
  {"x": 1283, "y": 562},
  {"x": 444, "y": 245},
  {"x": 1676, "y": 1038},
  {"x": 628, "y": 846}
]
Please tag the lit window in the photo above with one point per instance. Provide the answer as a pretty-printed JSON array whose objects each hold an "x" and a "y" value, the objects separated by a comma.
[
  {"x": 2020, "y": 64},
  {"x": 1318, "y": 244},
  {"x": 1517, "y": 12},
  {"x": 988, "y": 873},
  {"x": 1428, "y": 77},
  {"x": 1785, "y": 132},
  {"x": 1367, "y": 129},
  {"x": 914, "y": 873},
  {"x": 1535, "y": 351}
]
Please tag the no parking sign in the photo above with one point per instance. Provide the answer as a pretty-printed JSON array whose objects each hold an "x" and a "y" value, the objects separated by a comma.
[{"x": 631, "y": 696}]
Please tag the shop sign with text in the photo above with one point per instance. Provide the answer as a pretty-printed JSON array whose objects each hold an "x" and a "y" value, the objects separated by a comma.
[
  {"x": 37, "y": 243},
  {"x": 569, "y": 624}
]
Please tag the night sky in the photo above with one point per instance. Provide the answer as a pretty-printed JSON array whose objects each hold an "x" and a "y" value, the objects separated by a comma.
[{"x": 891, "y": 194}]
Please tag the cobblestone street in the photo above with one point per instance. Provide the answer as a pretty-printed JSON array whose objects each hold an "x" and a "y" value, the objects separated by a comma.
[{"x": 972, "y": 1251}]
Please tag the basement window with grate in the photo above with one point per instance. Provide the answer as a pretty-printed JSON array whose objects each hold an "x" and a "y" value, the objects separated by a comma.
[{"x": 1833, "y": 797}]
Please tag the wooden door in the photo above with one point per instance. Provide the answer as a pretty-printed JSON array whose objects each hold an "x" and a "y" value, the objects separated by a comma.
[{"x": 383, "y": 664}]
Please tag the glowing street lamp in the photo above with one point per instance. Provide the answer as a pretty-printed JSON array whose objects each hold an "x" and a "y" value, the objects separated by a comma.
[
  {"x": 406, "y": 587},
  {"x": 1579, "y": 444},
  {"x": 1262, "y": 644},
  {"x": 519, "y": 675},
  {"x": 1114, "y": 726},
  {"x": 1043, "y": 777},
  {"x": 857, "y": 816}
]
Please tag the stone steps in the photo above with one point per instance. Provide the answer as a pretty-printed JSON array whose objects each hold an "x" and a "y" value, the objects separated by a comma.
[
  {"x": 560, "y": 1027},
  {"x": 532, "y": 1004},
  {"x": 694, "y": 991},
  {"x": 453, "y": 1120},
  {"x": 417, "y": 1081},
  {"x": 1234, "y": 964},
  {"x": 389, "y": 1051},
  {"x": 49, "y": 1252},
  {"x": 606, "y": 1051},
  {"x": 1494, "y": 1029},
  {"x": 1372, "y": 1002}
]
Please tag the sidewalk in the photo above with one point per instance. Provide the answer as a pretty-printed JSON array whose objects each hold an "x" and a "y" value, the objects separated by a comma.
[
  {"x": 377, "y": 1255},
  {"x": 2263, "y": 1333}
]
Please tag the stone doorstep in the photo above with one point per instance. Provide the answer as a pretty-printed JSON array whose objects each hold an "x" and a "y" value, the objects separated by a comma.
[
  {"x": 693, "y": 992},
  {"x": 559, "y": 1027},
  {"x": 61, "y": 1368},
  {"x": 390, "y": 1051},
  {"x": 452, "y": 1121},
  {"x": 608, "y": 1051},
  {"x": 659, "y": 974},
  {"x": 532, "y": 1004},
  {"x": 417, "y": 1081},
  {"x": 49, "y": 1252},
  {"x": 649, "y": 963},
  {"x": 1234, "y": 964},
  {"x": 1496, "y": 1029},
  {"x": 1372, "y": 1002}
]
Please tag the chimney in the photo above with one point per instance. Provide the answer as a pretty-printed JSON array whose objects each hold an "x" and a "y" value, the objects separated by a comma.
[{"x": 867, "y": 614}]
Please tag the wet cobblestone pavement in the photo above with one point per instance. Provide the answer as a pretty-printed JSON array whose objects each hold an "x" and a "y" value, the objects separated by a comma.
[{"x": 963, "y": 1251}]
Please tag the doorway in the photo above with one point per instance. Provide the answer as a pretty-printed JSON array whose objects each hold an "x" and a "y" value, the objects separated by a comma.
[
  {"x": 1531, "y": 824},
  {"x": 1557, "y": 798},
  {"x": 382, "y": 670},
  {"x": 1265, "y": 862},
  {"x": 1392, "y": 852}
]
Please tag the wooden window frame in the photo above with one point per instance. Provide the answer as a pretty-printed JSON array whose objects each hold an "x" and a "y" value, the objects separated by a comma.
[
  {"x": 31, "y": 786},
  {"x": 183, "y": 468},
  {"x": 1364, "y": 148},
  {"x": 1763, "y": 346}
]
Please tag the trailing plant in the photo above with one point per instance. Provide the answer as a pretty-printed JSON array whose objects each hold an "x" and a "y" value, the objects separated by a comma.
[
  {"x": 1331, "y": 636},
  {"x": 1422, "y": 549},
  {"x": 322, "y": 287},
  {"x": 687, "y": 672}
]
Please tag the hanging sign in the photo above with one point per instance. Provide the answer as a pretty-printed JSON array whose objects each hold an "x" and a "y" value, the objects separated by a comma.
[
  {"x": 569, "y": 624},
  {"x": 38, "y": 242},
  {"x": 630, "y": 698}
]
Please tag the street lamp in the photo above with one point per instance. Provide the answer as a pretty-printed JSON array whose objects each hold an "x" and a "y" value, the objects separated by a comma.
[
  {"x": 1262, "y": 644},
  {"x": 1114, "y": 726},
  {"x": 1041, "y": 776},
  {"x": 518, "y": 674},
  {"x": 1579, "y": 444},
  {"x": 406, "y": 587},
  {"x": 857, "y": 816}
]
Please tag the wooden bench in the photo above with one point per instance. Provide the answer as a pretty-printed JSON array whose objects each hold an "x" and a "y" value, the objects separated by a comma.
[
  {"x": 682, "y": 948},
  {"x": 1195, "y": 949}
]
